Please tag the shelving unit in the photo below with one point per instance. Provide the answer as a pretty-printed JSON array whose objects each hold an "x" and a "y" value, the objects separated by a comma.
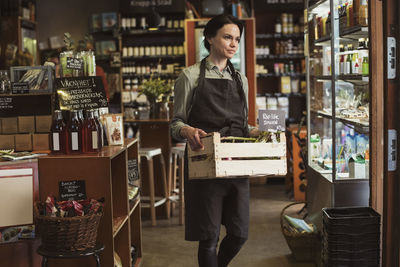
[
  {"x": 336, "y": 134},
  {"x": 152, "y": 54},
  {"x": 105, "y": 175},
  {"x": 273, "y": 74}
]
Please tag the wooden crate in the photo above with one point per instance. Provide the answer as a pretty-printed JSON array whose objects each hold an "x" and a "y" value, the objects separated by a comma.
[{"x": 218, "y": 160}]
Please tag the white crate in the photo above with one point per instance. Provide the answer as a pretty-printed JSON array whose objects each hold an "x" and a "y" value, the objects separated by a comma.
[{"x": 221, "y": 162}]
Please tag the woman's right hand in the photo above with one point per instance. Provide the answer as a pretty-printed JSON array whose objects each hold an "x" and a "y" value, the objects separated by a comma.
[{"x": 192, "y": 135}]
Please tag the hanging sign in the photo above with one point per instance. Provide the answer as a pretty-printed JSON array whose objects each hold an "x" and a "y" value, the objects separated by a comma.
[
  {"x": 72, "y": 190},
  {"x": 271, "y": 120},
  {"x": 75, "y": 93}
]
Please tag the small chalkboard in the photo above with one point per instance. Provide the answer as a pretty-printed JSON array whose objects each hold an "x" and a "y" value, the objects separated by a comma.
[
  {"x": 271, "y": 120},
  {"x": 72, "y": 190},
  {"x": 133, "y": 171},
  {"x": 20, "y": 88},
  {"x": 75, "y": 93},
  {"x": 74, "y": 63}
]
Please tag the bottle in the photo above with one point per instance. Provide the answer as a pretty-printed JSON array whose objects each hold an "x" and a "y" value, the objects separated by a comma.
[
  {"x": 59, "y": 134},
  {"x": 363, "y": 13},
  {"x": 365, "y": 66},
  {"x": 278, "y": 26},
  {"x": 341, "y": 62},
  {"x": 74, "y": 133},
  {"x": 347, "y": 65},
  {"x": 355, "y": 65},
  {"x": 5, "y": 83},
  {"x": 91, "y": 132}
]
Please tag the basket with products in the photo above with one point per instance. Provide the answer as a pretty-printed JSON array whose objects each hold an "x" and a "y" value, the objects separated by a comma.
[
  {"x": 301, "y": 237},
  {"x": 68, "y": 225}
]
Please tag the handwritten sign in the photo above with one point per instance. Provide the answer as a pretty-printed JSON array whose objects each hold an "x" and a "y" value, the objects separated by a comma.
[
  {"x": 74, "y": 63},
  {"x": 6, "y": 103},
  {"x": 72, "y": 190},
  {"x": 76, "y": 93},
  {"x": 20, "y": 87},
  {"x": 271, "y": 120}
]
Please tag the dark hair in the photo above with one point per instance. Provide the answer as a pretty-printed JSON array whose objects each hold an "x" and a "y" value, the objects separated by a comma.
[{"x": 217, "y": 23}]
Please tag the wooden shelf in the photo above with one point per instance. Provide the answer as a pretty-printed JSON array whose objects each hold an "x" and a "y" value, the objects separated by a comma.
[
  {"x": 147, "y": 121},
  {"x": 282, "y": 56},
  {"x": 105, "y": 175},
  {"x": 359, "y": 126},
  {"x": 153, "y": 57},
  {"x": 274, "y": 36},
  {"x": 134, "y": 32},
  {"x": 118, "y": 223},
  {"x": 133, "y": 205}
]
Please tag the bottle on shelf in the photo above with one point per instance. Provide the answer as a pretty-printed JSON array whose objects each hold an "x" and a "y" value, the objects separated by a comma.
[
  {"x": 355, "y": 65},
  {"x": 59, "y": 134},
  {"x": 365, "y": 66},
  {"x": 278, "y": 26},
  {"x": 92, "y": 133},
  {"x": 341, "y": 61},
  {"x": 363, "y": 13},
  {"x": 74, "y": 133},
  {"x": 5, "y": 83}
]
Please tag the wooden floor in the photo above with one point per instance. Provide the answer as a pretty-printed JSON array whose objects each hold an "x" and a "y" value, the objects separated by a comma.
[{"x": 164, "y": 245}]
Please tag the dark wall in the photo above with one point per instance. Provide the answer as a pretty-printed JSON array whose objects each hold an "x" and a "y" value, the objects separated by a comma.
[{"x": 55, "y": 17}]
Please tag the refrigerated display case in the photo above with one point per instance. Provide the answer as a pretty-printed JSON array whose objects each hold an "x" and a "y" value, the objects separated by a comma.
[{"x": 338, "y": 103}]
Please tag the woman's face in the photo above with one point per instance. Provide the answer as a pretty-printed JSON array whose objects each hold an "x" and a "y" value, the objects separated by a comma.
[{"x": 226, "y": 42}]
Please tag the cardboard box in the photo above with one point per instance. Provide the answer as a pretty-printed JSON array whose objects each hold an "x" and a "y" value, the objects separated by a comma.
[
  {"x": 229, "y": 160},
  {"x": 40, "y": 142},
  {"x": 26, "y": 124},
  {"x": 9, "y": 125},
  {"x": 7, "y": 141},
  {"x": 23, "y": 142},
  {"x": 43, "y": 123}
]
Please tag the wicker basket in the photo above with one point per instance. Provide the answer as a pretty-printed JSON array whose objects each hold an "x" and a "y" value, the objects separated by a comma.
[
  {"x": 302, "y": 245},
  {"x": 67, "y": 233}
]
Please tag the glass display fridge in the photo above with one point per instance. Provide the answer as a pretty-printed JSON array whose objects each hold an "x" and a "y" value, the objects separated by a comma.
[{"x": 338, "y": 103}]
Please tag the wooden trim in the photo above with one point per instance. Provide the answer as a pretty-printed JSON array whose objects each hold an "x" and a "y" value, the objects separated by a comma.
[{"x": 390, "y": 255}]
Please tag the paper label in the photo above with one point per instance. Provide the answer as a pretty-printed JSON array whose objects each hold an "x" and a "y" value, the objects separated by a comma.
[
  {"x": 56, "y": 141},
  {"x": 74, "y": 141},
  {"x": 95, "y": 143}
]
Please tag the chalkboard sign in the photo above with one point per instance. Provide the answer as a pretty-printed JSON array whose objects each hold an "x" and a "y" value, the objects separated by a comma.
[
  {"x": 74, "y": 63},
  {"x": 20, "y": 87},
  {"x": 25, "y": 105},
  {"x": 133, "y": 171},
  {"x": 75, "y": 93},
  {"x": 72, "y": 190},
  {"x": 271, "y": 120}
]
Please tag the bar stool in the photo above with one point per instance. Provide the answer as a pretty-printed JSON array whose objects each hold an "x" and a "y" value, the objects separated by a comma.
[
  {"x": 69, "y": 255},
  {"x": 154, "y": 201},
  {"x": 176, "y": 194}
]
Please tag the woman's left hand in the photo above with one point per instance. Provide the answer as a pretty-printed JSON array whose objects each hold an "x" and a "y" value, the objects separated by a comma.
[{"x": 254, "y": 132}]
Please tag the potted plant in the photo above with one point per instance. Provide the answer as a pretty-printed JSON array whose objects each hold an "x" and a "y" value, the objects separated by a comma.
[{"x": 157, "y": 92}]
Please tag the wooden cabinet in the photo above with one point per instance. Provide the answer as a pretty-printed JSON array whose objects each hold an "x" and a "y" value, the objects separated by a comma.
[{"x": 105, "y": 175}]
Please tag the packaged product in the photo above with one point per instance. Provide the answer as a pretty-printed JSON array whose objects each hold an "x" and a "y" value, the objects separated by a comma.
[{"x": 114, "y": 129}]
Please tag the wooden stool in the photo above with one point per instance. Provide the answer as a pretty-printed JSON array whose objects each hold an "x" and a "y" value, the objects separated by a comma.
[
  {"x": 154, "y": 201},
  {"x": 178, "y": 158},
  {"x": 70, "y": 255}
]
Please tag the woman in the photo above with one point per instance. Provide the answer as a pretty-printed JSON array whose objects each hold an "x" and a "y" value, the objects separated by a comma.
[{"x": 211, "y": 96}]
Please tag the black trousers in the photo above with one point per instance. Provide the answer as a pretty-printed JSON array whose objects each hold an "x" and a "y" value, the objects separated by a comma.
[{"x": 229, "y": 247}]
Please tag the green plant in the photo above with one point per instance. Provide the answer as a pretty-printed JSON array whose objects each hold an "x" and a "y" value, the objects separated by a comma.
[{"x": 155, "y": 89}]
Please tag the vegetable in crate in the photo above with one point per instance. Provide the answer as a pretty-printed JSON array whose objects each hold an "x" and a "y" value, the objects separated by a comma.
[{"x": 264, "y": 137}]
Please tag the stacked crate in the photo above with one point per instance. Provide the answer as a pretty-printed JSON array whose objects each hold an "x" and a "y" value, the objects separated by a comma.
[{"x": 351, "y": 237}]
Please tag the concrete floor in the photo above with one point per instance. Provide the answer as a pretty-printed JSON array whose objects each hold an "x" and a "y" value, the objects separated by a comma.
[{"x": 164, "y": 245}]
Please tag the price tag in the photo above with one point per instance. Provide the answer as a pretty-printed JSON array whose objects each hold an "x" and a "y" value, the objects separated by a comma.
[
  {"x": 20, "y": 88},
  {"x": 74, "y": 63}
]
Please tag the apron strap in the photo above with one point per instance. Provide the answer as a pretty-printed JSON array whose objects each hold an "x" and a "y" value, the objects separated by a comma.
[{"x": 200, "y": 84}]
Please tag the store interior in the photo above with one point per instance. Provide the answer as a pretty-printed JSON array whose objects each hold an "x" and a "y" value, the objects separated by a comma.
[{"x": 86, "y": 105}]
